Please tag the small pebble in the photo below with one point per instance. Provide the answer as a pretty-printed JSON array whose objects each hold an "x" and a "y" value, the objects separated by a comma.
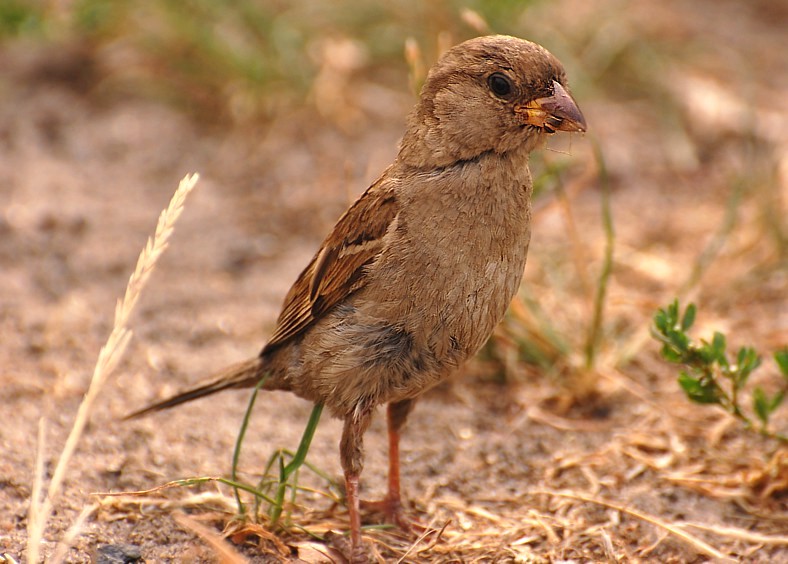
[{"x": 117, "y": 554}]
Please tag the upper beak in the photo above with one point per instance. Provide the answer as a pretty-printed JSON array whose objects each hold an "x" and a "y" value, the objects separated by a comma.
[{"x": 554, "y": 113}]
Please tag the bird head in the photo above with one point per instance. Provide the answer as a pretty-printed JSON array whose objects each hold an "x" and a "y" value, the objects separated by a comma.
[{"x": 489, "y": 94}]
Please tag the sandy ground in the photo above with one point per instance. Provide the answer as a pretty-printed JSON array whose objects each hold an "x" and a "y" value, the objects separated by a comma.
[{"x": 524, "y": 468}]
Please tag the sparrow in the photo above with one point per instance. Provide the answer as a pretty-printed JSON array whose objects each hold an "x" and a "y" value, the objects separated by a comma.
[{"x": 416, "y": 274}]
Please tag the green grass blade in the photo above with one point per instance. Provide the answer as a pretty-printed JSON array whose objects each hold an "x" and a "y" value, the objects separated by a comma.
[
  {"x": 249, "y": 489},
  {"x": 306, "y": 441},
  {"x": 285, "y": 471},
  {"x": 595, "y": 330},
  {"x": 239, "y": 442}
]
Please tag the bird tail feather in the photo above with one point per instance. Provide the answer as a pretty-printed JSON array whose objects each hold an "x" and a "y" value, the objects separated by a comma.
[{"x": 240, "y": 375}]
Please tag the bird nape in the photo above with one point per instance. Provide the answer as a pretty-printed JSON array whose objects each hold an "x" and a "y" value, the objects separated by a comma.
[{"x": 416, "y": 274}]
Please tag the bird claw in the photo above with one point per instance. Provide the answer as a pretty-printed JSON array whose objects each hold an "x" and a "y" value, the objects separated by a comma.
[
  {"x": 394, "y": 513},
  {"x": 352, "y": 554}
]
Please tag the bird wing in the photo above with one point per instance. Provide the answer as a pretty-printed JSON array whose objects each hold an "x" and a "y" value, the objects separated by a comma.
[{"x": 341, "y": 265}]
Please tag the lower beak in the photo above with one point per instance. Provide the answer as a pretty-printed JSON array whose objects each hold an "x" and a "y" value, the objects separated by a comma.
[{"x": 554, "y": 113}]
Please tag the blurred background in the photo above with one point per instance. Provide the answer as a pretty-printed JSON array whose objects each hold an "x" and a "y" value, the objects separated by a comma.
[{"x": 289, "y": 110}]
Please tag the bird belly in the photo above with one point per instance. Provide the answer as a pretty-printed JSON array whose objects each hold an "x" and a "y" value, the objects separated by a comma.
[
  {"x": 431, "y": 300},
  {"x": 396, "y": 340}
]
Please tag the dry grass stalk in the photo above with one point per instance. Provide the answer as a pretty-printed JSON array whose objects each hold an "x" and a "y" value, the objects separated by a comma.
[
  {"x": 225, "y": 554},
  {"x": 429, "y": 530},
  {"x": 132, "y": 502},
  {"x": 692, "y": 540},
  {"x": 739, "y": 534},
  {"x": 73, "y": 532},
  {"x": 34, "y": 513},
  {"x": 109, "y": 355}
]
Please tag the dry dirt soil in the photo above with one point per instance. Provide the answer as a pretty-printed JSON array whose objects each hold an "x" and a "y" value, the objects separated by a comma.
[{"x": 611, "y": 464}]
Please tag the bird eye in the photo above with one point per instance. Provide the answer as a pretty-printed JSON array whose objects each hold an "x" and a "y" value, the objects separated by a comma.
[{"x": 500, "y": 84}]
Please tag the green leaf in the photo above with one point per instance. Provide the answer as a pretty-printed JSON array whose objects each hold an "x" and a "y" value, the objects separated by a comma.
[
  {"x": 661, "y": 321},
  {"x": 689, "y": 384},
  {"x": 706, "y": 353},
  {"x": 718, "y": 346},
  {"x": 760, "y": 404},
  {"x": 747, "y": 358},
  {"x": 777, "y": 400},
  {"x": 679, "y": 340},
  {"x": 781, "y": 357},
  {"x": 765, "y": 406},
  {"x": 669, "y": 354},
  {"x": 699, "y": 390},
  {"x": 689, "y": 317},
  {"x": 673, "y": 313},
  {"x": 747, "y": 361}
]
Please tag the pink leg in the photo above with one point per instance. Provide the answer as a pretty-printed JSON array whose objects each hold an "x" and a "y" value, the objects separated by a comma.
[
  {"x": 391, "y": 505},
  {"x": 351, "y": 491},
  {"x": 351, "y": 450}
]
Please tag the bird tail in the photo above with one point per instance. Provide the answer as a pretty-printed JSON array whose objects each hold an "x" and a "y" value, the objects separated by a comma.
[{"x": 240, "y": 375}]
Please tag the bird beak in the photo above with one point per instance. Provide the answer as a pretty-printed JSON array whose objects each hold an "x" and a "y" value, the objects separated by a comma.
[{"x": 554, "y": 113}]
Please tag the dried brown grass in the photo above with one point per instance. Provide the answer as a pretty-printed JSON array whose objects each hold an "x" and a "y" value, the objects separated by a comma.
[{"x": 108, "y": 358}]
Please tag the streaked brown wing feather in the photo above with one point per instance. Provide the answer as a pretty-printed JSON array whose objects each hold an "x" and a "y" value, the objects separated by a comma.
[{"x": 339, "y": 268}]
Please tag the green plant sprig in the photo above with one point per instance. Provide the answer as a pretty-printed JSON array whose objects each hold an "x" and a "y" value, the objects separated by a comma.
[
  {"x": 291, "y": 468},
  {"x": 712, "y": 378},
  {"x": 276, "y": 502}
]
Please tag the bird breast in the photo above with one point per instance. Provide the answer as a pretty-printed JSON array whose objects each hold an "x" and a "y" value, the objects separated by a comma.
[
  {"x": 451, "y": 263},
  {"x": 466, "y": 248}
]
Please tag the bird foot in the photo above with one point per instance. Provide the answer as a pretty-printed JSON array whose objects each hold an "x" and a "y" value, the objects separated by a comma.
[
  {"x": 358, "y": 554},
  {"x": 393, "y": 513}
]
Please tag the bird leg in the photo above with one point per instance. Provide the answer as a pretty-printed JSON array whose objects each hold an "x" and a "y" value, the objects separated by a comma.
[
  {"x": 391, "y": 505},
  {"x": 351, "y": 451}
]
